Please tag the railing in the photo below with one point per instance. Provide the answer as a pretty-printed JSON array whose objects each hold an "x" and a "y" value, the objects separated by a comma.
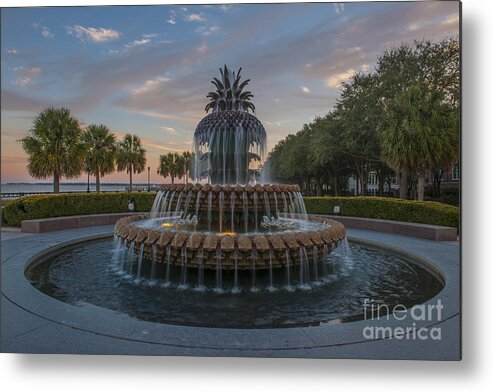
[{"x": 16, "y": 195}]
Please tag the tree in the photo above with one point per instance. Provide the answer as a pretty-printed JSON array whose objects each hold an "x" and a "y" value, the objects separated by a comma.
[
  {"x": 421, "y": 132},
  {"x": 188, "y": 159},
  {"x": 289, "y": 160},
  {"x": 101, "y": 151},
  {"x": 54, "y": 146},
  {"x": 171, "y": 165},
  {"x": 130, "y": 156},
  {"x": 431, "y": 64},
  {"x": 327, "y": 151},
  {"x": 359, "y": 112}
]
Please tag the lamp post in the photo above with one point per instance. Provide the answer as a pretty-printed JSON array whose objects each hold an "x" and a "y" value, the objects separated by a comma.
[{"x": 148, "y": 178}]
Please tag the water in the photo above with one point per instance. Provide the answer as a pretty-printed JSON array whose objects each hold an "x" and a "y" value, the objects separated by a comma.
[
  {"x": 255, "y": 209},
  {"x": 90, "y": 273},
  {"x": 175, "y": 224},
  {"x": 231, "y": 157}
]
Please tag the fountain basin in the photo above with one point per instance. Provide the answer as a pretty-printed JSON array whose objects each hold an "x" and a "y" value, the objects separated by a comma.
[
  {"x": 87, "y": 273},
  {"x": 194, "y": 198}
]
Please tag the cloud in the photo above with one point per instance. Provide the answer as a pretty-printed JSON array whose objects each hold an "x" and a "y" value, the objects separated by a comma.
[
  {"x": 171, "y": 131},
  {"x": 305, "y": 89},
  {"x": 206, "y": 31},
  {"x": 202, "y": 48},
  {"x": 334, "y": 81},
  {"x": 137, "y": 42},
  {"x": 150, "y": 85},
  {"x": 171, "y": 21},
  {"x": 162, "y": 146},
  {"x": 15, "y": 102},
  {"x": 356, "y": 49},
  {"x": 226, "y": 7},
  {"x": 45, "y": 32},
  {"x": 94, "y": 35},
  {"x": 192, "y": 120},
  {"x": 23, "y": 82},
  {"x": 452, "y": 20},
  {"x": 339, "y": 8},
  {"x": 194, "y": 18},
  {"x": 151, "y": 35},
  {"x": 25, "y": 76},
  {"x": 414, "y": 26},
  {"x": 131, "y": 45},
  {"x": 276, "y": 123},
  {"x": 12, "y": 52}
]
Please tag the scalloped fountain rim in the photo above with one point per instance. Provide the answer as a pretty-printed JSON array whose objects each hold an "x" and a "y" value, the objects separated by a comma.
[{"x": 230, "y": 251}]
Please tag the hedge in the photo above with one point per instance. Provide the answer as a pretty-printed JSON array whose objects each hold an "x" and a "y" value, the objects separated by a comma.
[
  {"x": 49, "y": 206},
  {"x": 428, "y": 212}
]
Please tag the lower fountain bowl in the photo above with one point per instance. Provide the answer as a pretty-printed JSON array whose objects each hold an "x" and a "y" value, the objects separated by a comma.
[{"x": 334, "y": 289}]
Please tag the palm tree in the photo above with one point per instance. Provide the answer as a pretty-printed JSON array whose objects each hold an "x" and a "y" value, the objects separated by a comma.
[
  {"x": 54, "y": 146},
  {"x": 171, "y": 165},
  {"x": 421, "y": 132},
  {"x": 130, "y": 156},
  {"x": 187, "y": 163},
  {"x": 101, "y": 151}
]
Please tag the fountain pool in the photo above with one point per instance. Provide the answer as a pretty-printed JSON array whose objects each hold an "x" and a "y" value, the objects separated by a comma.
[{"x": 91, "y": 273}]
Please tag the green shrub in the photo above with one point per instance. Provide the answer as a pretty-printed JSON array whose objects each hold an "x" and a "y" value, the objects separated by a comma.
[
  {"x": 49, "y": 206},
  {"x": 450, "y": 196},
  {"x": 428, "y": 212}
]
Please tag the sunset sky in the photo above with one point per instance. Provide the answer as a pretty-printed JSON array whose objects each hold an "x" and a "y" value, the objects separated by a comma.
[{"x": 147, "y": 69}]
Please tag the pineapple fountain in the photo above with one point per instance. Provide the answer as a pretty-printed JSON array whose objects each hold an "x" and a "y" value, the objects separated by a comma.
[{"x": 227, "y": 224}]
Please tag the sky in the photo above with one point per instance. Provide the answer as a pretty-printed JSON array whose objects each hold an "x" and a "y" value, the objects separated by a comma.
[{"x": 147, "y": 69}]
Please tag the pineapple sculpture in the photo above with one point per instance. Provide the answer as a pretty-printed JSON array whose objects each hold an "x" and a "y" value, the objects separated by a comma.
[{"x": 230, "y": 139}]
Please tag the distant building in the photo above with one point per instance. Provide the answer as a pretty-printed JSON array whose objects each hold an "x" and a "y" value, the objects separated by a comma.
[
  {"x": 354, "y": 187},
  {"x": 450, "y": 178}
]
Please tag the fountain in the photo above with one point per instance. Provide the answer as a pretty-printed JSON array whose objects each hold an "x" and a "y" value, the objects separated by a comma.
[{"x": 227, "y": 220}]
